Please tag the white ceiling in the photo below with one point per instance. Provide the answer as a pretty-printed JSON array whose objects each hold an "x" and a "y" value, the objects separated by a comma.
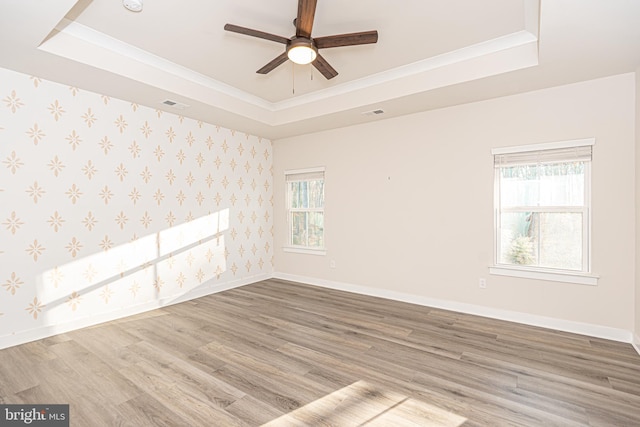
[{"x": 430, "y": 54}]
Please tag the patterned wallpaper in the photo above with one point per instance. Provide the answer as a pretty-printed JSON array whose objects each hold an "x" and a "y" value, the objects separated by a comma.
[{"x": 106, "y": 206}]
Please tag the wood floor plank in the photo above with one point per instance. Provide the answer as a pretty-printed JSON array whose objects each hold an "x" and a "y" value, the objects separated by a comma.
[
  {"x": 279, "y": 353},
  {"x": 96, "y": 374},
  {"x": 261, "y": 388},
  {"x": 62, "y": 384},
  {"x": 205, "y": 385},
  {"x": 18, "y": 368},
  {"x": 630, "y": 385},
  {"x": 584, "y": 394},
  {"x": 144, "y": 410},
  {"x": 496, "y": 406},
  {"x": 394, "y": 375},
  {"x": 253, "y": 411}
]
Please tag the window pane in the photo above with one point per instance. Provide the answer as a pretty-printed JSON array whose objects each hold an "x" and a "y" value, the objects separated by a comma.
[
  {"x": 516, "y": 240},
  {"x": 299, "y": 194},
  {"x": 561, "y": 240},
  {"x": 294, "y": 194},
  {"x": 316, "y": 229},
  {"x": 552, "y": 184},
  {"x": 316, "y": 194},
  {"x": 548, "y": 239},
  {"x": 299, "y": 228},
  {"x": 304, "y": 194},
  {"x": 519, "y": 186}
]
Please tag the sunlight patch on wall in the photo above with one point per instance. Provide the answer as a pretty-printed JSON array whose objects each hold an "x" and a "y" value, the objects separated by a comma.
[{"x": 164, "y": 264}]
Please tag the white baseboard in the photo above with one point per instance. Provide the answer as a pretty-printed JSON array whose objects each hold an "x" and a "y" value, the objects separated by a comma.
[
  {"x": 636, "y": 342},
  {"x": 46, "y": 331},
  {"x": 208, "y": 289},
  {"x": 588, "y": 329}
]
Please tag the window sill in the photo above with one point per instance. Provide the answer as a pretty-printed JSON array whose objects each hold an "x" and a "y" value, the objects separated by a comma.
[
  {"x": 302, "y": 250},
  {"x": 554, "y": 276}
]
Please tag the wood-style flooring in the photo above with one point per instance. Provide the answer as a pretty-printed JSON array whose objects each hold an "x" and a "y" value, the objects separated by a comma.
[{"x": 284, "y": 354}]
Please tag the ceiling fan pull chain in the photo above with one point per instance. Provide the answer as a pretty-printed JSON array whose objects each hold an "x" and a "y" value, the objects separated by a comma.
[{"x": 293, "y": 78}]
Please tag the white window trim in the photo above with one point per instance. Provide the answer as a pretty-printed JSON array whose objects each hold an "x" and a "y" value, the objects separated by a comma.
[
  {"x": 539, "y": 273},
  {"x": 542, "y": 274},
  {"x": 294, "y": 248},
  {"x": 304, "y": 250}
]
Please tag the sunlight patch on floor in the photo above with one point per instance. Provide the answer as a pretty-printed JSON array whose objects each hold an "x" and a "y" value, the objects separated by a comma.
[{"x": 361, "y": 404}]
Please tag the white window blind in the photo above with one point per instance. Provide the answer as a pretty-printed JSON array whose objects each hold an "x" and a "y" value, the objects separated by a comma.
[
  {"x": 571, "y": 154},
  {"x": 312, "y": 175}
]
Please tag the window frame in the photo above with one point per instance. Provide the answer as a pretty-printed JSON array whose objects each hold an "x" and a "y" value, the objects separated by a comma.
[
  {"x": 583, "y": 276},
  {"x": 289, "y": 246}
]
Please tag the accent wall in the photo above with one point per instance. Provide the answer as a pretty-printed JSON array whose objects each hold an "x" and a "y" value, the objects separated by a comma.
[{"x": 109, "y": 208}]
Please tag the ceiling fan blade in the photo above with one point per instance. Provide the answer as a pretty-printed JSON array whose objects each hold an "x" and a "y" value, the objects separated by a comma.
[
  {"x": 304, "y": 21},
  {"x": 325, "y": 69},
  {"x": 273, "y": 64},
  {"x": 255, "y": 33},
  {"x": 352, "y": 39}
]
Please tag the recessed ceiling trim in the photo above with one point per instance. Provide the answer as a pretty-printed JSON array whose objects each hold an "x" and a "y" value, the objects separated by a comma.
[
  {"x": 480, "y": 67},
  {"x": 106, "y": 42},
  {"x": 67, "y": 46},
  {"x": 86, "y": 45},
  {"x": 505, "y": 42}
]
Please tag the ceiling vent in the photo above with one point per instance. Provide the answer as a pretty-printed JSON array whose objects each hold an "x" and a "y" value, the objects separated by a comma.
[
  {"x": 373, "y": 112},
  {"x": 174, "y": 104}
]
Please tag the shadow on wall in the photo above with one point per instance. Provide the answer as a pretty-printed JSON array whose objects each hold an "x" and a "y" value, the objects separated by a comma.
[{"x": 159, "y": 267}]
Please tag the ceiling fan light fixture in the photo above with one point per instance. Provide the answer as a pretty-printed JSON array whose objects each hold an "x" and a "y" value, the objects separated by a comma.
[{"x": 302, "y": 51}]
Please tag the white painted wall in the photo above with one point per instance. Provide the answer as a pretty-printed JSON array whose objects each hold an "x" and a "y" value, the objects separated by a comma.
[
  {"x": 409, "y": 202},
  {"x": 637, "y": 296}
]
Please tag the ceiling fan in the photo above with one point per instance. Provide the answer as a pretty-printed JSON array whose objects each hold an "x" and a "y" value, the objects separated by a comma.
[{"x": 302, "y": 48}]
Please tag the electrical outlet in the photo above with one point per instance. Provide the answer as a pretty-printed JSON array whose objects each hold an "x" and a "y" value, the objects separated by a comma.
[
  {"x": 332, "y": 263},
  {"x": 482, "y": 283}
]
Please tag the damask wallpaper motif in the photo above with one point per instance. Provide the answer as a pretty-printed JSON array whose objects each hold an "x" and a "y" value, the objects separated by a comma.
[{"x": 108, "y": 208}]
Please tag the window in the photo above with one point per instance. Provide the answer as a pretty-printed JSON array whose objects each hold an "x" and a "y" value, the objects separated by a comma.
[
  {"x": 305, "y": 210},
  {"x": 542, "y": 207}
]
